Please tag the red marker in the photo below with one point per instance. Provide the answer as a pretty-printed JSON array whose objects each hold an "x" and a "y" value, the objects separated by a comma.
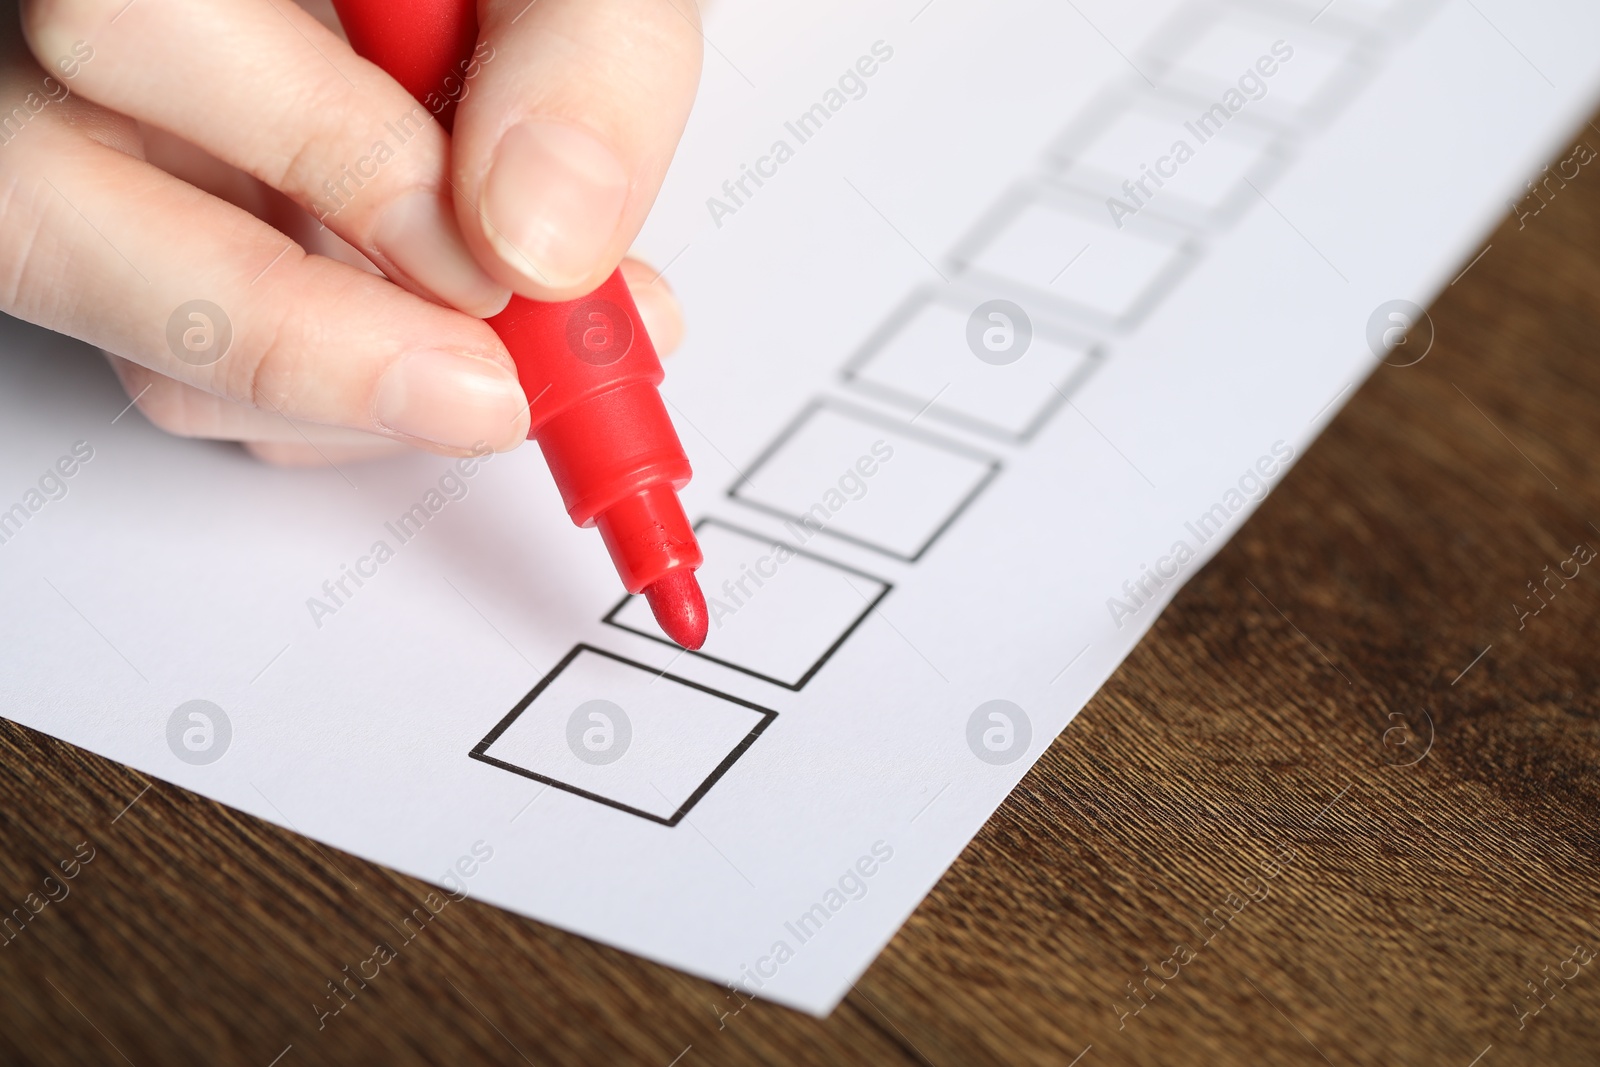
[{"x": 587, "y": 365}]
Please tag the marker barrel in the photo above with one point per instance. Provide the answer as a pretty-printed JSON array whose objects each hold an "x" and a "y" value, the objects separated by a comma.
[
  {"x": 587, "y": 366},
  {"x": 591, "y": 372}
]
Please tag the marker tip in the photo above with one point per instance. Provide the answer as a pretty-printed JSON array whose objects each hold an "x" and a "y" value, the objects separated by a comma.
[{"x": 680, "y": 607}]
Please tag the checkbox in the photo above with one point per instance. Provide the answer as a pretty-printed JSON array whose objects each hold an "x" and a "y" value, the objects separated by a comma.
[
  {"x": 928, "y": 358},
  {"x": 777, "y": 612},
  {"x": 1062, "y": 249},
  {"x": 1205, "y": 52},
  {"x": 624, "y": 735},
  {"x": 864, "y": 478},
  {"x": 1149, "y": 151},
  {"x": 1393, "y": 15}
]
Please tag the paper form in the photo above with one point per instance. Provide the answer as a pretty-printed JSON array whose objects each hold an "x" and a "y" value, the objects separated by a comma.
[{"x": 968, "y": 393}]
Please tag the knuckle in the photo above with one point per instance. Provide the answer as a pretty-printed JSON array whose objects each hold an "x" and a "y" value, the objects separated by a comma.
[
  {"x": 313, "y": 160},
  {"x": 282, "y": 352},
  {"x": 345, "y": 157},
  {"x": 262, "y": 371},
  {"x": 264, "y": 336}
]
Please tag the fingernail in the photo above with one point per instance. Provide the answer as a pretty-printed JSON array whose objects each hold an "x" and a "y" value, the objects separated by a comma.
[
  {"x": 552, "y": 202},
  {"x": 452, "y": 400},
  {"x": 418, "y": 234}
]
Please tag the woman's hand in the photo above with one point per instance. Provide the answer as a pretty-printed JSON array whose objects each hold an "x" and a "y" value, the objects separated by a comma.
[{"x": 164, "y": 165}]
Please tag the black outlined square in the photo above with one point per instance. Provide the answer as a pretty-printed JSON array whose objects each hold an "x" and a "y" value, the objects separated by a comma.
[
  {"x": 971, "y": 473},
  {"x": 858, "y": 592},
  {"x": 1049, "y": 246},
  {"x": 591, "y": 778},
  {"x": 1125, "y": 135},
  {"x": 955, "y": 382},
  {"x": 1176, "y": 59},
  {"x": 1386, "y": 18}
]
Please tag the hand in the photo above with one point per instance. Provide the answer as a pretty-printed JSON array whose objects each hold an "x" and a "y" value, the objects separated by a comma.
[{"x": 155, "y": 153}]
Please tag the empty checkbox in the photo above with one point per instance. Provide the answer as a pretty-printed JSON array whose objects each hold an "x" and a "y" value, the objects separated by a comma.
[
  {"x": 624, "y": 735},
  {"x": 777, "y": 612},
  {"x": 974, "y": 361},
  {"x": 1072, "y": 251},
  {"x": 1240, "y": 61},
  {"x": 1390, "y": 15},
  {"x": 844, "y": 472},
  {"x": 1150, "y": 151}
]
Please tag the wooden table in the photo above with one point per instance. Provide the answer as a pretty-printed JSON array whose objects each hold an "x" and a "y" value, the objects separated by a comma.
[{"x": 1338, "y": 807}]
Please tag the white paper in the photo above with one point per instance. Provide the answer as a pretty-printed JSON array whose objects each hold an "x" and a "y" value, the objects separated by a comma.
[{"x": 783, "y": 801}]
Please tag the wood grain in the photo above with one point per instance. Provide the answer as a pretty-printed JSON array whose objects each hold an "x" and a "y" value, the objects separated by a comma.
[{"x": 1248, "y": 765}]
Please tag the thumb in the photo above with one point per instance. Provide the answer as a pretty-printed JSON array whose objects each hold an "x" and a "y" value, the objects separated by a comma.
[{"x": 565, "y": 131}]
